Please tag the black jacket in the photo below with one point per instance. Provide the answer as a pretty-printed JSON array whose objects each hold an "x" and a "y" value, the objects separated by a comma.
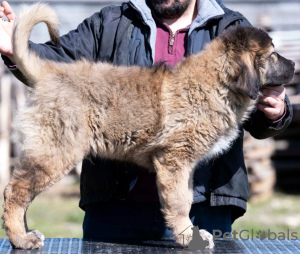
[{"x": 120, "y": 35}]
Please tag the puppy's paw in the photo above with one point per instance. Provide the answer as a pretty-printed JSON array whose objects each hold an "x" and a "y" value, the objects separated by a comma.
[
  {"x": 195, "y": 239},
  {"x": 206, "y": 236},
  {"x": 38, "y": 234},
  {"x": 31, "y": 240},
  {"x": 184, "y": 238}
]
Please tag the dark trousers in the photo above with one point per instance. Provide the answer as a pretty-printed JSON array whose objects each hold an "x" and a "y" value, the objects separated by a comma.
[{"x": 144, "y": 221}]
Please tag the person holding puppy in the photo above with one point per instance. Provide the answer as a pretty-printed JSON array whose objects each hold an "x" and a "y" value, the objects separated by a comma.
[{"x": 122, "y": 202}]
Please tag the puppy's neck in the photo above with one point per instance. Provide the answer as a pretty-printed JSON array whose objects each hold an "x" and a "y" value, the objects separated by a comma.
[{"x": 242, "y": 105}]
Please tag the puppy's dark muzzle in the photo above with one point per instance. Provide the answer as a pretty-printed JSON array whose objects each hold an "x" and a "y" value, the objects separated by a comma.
[
  {"x": 293, "y": 64},
  {"x": 281, "y": 73},
  {"x": 294, "y": 68}
]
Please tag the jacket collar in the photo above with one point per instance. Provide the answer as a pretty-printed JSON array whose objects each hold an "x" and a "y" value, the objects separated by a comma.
[
  {"x": 145, "y": 12},
  {"x": 207, "y": 9}
]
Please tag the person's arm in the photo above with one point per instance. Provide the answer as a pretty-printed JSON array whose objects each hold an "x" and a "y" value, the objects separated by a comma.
[{"x": 260, "y": 126}]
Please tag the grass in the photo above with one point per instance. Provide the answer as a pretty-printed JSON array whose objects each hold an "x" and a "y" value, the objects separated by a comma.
[
  {"x": 278, "y": 214},
  {"x": 56, "y": 214}
]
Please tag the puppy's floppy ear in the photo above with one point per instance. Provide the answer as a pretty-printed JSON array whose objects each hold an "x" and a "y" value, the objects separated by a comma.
[{"x": 248, "y": 81}]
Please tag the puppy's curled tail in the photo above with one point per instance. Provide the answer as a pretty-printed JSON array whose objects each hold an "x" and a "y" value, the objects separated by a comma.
[{"x": 28, "y": 61}]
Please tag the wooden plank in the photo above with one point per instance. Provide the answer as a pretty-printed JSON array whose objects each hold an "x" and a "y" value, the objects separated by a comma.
[{"x": 287, "y": 43}]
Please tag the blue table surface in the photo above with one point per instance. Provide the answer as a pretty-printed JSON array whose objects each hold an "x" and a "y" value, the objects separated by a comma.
[{"x": 79, "y": 246}]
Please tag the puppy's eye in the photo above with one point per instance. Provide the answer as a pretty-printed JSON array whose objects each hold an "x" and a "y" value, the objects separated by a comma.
[{"x": 274, "y": 55}]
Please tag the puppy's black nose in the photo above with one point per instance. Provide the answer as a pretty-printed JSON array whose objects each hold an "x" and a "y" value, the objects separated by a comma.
[{"x": 293, "y": 63}]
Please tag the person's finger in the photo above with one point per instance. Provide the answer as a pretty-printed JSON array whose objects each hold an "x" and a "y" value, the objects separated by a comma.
[
  {"x": 1, "y": 11},
  {"x": 8, "y": 11},
  {"x": 265, "y": 108},
  {"x": 267, "y": 100},
  {"x": 270, "y": 112}
]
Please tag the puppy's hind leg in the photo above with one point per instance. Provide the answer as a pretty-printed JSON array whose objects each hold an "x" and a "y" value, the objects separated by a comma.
[{"x": 48, "y": 154}]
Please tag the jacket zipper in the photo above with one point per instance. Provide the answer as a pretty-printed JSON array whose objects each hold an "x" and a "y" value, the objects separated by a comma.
[{"x": 171, "y": 43}]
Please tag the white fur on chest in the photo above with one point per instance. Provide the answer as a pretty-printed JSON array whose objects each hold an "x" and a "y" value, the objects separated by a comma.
[{"x": 223, "y": 144}]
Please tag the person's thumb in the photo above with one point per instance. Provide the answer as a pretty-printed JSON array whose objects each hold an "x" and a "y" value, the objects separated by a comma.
[{"x": 8, "y": 11}]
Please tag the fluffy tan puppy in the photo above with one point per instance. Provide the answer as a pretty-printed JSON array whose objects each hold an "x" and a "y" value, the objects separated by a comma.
[{"x": 164, "y": 120}]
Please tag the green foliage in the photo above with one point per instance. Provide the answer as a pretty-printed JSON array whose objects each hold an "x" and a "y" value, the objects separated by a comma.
[{"x": 277, "y": 214}]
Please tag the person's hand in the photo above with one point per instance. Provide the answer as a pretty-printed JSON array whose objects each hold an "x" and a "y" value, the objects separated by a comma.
[
  {"x": 6, "y": 30},
  {"x": 272, "y": 102}
]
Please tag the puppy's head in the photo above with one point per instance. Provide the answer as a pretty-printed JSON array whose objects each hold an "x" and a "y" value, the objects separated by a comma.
[{"x": 250, "y": 61}]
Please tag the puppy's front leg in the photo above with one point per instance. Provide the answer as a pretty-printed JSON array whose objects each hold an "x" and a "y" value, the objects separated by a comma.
[{"x": 175, "y": 186}]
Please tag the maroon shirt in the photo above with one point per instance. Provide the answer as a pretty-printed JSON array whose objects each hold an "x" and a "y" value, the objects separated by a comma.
[{"x": 170, "y": 48}]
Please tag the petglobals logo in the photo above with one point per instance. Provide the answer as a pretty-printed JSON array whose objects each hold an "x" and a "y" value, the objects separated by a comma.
[
  {"x": 260, "y": 234},
  {"x": 191, "y": 237}
]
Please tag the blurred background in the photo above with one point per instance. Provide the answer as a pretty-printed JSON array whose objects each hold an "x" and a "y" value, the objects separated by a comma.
[{"x": 273, "y": 164}]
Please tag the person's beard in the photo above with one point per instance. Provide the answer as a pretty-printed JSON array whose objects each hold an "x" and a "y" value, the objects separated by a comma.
[{"x": 175, "y": 10}]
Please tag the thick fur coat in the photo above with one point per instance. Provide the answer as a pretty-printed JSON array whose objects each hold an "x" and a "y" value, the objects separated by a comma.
[{"x": 164, "y": 120}]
